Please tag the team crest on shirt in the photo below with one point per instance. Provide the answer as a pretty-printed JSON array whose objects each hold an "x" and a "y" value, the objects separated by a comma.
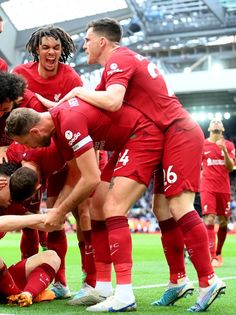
[{"x": 57, "y": 97}]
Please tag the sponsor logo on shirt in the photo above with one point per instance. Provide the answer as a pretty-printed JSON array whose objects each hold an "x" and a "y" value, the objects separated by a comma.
[
  {"x": 211, "y": 162},
  {"x": 207, "y": 152},
  {"x": 75, "y": 137},
  {"x": 114, "y": 68},
  {"x": 57, "y": 97}
]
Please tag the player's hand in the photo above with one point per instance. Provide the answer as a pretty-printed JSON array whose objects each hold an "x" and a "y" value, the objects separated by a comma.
[
  {"x": 47, "y": 103},
  {"x": 54, "y": 218},
  {"x": 221, "y": 144},
  {"x": 74, "y": 92}
]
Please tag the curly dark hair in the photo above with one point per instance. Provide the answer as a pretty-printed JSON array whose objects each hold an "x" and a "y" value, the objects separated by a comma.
[
  {"x": 68, "y": 46},
  {"x": 23, "y": 184},
  {"x": 11, "y": 86}
]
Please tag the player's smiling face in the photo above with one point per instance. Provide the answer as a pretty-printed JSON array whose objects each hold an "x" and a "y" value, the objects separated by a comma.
[{"x": 49, "y": 52}]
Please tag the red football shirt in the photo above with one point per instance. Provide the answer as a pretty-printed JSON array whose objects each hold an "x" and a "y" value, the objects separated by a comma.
[
  {"x": 80, "y": 126},
  {"x": 146, "y": 88},
  {"x": 48, "y": 159},
  {"x": 3, "y": 65},
  {"x": 215, "y": 176},
  {"x": 53, "y": 88}
]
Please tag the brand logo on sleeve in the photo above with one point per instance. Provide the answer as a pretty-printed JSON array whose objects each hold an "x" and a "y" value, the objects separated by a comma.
[
  {"x": 71, "y": 137},
  {"x": 114, "y": 68}
]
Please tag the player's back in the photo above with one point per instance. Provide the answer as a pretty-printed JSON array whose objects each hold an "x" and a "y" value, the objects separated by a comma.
[{"x": 146, "y": 88}]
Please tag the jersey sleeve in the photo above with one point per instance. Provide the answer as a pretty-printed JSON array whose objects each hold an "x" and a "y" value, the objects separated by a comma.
[
  {"x": 74, "y": 131},
  {"x": 119, "y": 70},
  {"x": 31, "y": 101}
]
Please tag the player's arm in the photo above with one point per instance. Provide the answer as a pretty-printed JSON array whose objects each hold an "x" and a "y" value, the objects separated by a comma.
[
  {"x": 14, "y": 222},
  {"x": 72, "y": 178},
  {"x": 87, "y": 183},
  {"x": 111, "y": 99},
  {"x": 229, "y": 162}
]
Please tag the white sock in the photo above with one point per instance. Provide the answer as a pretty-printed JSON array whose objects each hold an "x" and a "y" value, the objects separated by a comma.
[
  {"x": 124, "y": 292},
  {"x": 104, "y": 288}
]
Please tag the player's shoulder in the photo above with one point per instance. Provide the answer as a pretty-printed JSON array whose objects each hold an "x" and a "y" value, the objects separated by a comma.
[{"x": 25, "y": 67}]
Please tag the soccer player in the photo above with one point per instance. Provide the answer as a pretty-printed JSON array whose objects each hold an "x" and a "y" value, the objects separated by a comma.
[
  {"x": 136, "y": 140},
  {"x": 25, "y": 282},
  {"x": 49, "y": 75},
  {"x": 129, "y": 78},
  {"x": 218, "y": 161}
]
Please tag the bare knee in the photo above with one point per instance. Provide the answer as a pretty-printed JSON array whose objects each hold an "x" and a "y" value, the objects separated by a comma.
[
  {"x": 52, "y": 259},
  {"x": 223, "y": 222},
  {"x": 209, "y": 219}
]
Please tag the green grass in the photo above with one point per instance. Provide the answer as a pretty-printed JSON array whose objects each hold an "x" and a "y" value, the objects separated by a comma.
[{"x": 149, "y": 269}]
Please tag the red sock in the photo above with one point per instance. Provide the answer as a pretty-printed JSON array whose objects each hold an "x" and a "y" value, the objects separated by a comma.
[
  {"x": 101, "y": 247},
  {"x": 58, "y": 242},
  {"x": 173, "y": 246},
  {"x": 221, "y": 236},
  {"x": 120, "y": 248},
  {"x": 212, "y": 239},
  {"x": 197, "y": 244},
  {"x": 29, "y": 244},
  {"x": 43, "y": 238},
  {"x": 39, "y": 279},
  {"x": 81, "y": 245},
  {"x": 89, "y": 260},
  {"x": 7, "y": 284}
]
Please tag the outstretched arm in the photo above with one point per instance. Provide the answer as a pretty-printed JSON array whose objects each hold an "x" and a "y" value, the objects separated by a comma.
[
  {"x": 111, "y": 99},
  {"x": 10, "y": 223}
]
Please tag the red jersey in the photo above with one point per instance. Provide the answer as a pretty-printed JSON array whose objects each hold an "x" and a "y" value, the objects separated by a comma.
[
  {"x": 215, "y": 176},
  {"x": 146, "y": 88},
  {"x": 48, "y": 159},
  {"x": 80, "y": 126},
  {"x": 31, "y": 101},
  {"x": 3, "y": 65},
  {"x": 53, "y": 88}
]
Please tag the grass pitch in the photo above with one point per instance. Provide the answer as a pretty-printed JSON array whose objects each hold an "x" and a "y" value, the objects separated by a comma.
[{"x": 150, "y": 276}]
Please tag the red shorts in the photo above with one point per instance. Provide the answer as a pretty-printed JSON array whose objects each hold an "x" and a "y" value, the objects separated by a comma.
[
  {"x": 17, "y": 272},
  {"x": 181, "y": 160},
  {"x": 139, "y": 157},
  {"x": 215, "y": 203},
  {"x": 56, "y": 182}
]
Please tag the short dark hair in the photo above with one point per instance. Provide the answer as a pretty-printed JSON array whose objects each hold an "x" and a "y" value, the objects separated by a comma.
[
  {"x": 7, "y": 169},
  {"x": 109, "y": 28},
  {"x": 20, "y": 121},
  {"x": 11, "y": 86},
  {"x": 23, "y": 184},
  {"x": 68, "y": 46}
]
